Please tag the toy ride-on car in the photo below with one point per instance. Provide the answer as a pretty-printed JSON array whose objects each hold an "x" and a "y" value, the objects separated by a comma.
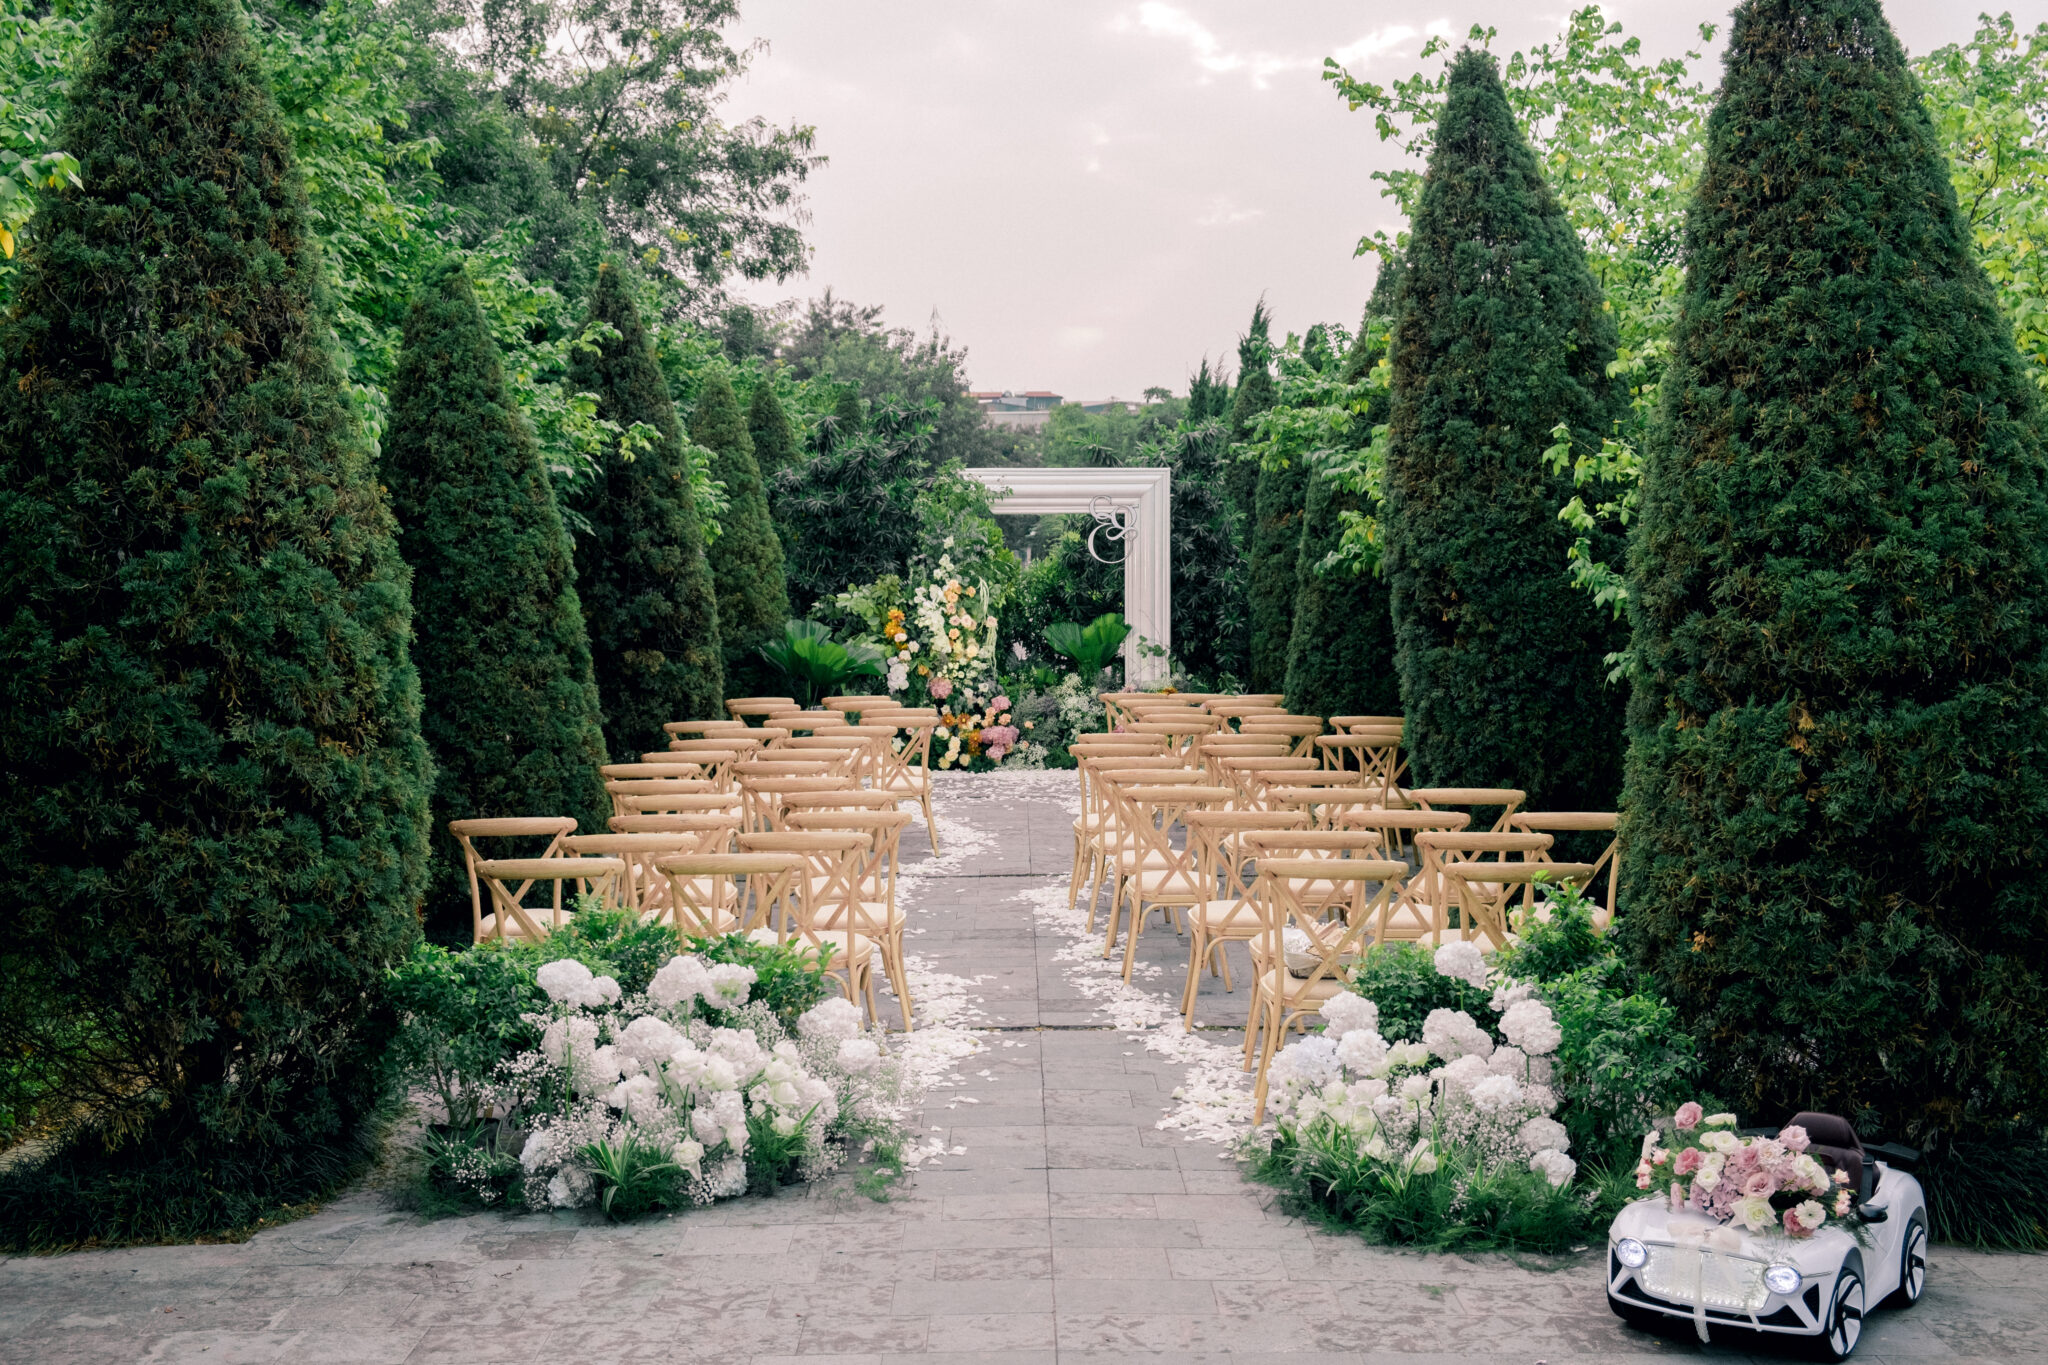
[{"x": 1665, "y": 1267}]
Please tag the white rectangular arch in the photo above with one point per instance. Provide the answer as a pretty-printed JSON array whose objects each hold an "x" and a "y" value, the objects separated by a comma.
[{"x": 1148, "y": 557}]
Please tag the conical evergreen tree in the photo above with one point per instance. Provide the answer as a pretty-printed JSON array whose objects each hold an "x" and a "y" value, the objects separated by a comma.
[
  {"x": 1255, "y": 393},
  {"x": 746, "y": 559},
  {"x": 1340, "y": 657},
  {"x": 213, "y": 819},
  {"x": 1499, "y": 337},
  {"x": 1838, "y": 770},
  {"x": 646, "y": 587},
  {"x": 1275, "y": 565},
  {"x": 512, "y": 714},
  {"x": 1208, "y": 396},
  {"x": 775, "y": 446}
]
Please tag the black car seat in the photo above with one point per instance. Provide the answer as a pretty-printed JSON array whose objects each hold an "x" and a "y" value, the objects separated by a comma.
[{"x": 1833, "y": 1143}]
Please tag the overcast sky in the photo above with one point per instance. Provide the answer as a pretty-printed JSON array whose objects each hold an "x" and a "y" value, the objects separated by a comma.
[{"x": 1090, "y": 196}]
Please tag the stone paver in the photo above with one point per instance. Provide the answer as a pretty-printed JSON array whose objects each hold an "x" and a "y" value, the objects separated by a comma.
[{"x": 1070, "y": 1230}]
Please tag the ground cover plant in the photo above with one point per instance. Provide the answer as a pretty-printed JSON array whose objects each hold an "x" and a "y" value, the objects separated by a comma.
[
  {"x": 1455, "y": 1102},
  {"x": 1839, "y": 592},
  {"x": 616, "y": 1067},
  {"x": 216, "y": 794}
]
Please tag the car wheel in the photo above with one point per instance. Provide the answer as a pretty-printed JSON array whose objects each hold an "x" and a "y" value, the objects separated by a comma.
[
  {"x": 1843, "y": 1326},
  {"x": 1912, "y": 1263}
]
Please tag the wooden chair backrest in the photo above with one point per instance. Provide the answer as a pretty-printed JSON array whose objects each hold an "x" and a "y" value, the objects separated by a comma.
[
  {"x": 643, "y": 889},
  {"x": 675, "y": 824},
  {"x": 1509, "y": 799},
  {"x": 552, "y": 827},
  {"x": 703, "y": 886},
  {"x": 682, "y": 803},
  {"x": 1574, "y": 822},
  {"x": 508, "y": 902}
]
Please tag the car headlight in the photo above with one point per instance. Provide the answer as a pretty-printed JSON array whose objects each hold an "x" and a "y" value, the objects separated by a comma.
[
  {"x": 1782, "y": 1279},
  {"x": 1631, "y": 1253}
]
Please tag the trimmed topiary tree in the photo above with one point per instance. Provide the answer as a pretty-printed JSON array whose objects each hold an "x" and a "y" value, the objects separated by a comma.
[
  {"x": 1340, "y": 656},
  {"x": 775, "y": 447},
  {"x": 746, "y": 559},
  {"x": 646, "y": 587},
  {"x": 1499, "y": 337},
  {"x": 1838, "y": 773},
  {"x": 213, "y": 820},
  {"x": 512, "y": 714},
  {"x": 1255, "y": 393}
]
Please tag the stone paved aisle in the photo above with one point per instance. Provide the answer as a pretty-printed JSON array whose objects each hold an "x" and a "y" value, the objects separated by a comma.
[{"x": 1061, "y": 1224}]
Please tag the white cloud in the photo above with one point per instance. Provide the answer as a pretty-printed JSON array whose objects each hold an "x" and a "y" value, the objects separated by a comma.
[{"x": 1170, "y": 21}]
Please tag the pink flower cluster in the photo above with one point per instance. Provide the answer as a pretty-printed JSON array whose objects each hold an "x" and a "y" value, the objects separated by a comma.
[
  {"x": 1758, "y": 1182},
  {"x": 997, "y": 740}
]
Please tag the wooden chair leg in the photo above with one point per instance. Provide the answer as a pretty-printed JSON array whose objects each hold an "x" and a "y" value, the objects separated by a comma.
[
  {"x": 899, "y": 977},
  {"x": 931, "y": 826},
  {"x": 1197, "y": 949}
]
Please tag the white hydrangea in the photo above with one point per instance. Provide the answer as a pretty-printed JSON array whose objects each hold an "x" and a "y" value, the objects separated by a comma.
[
  {"x": 1529, "y": 1025},
  {"x": 1462, "y": 1073},
  {"x": 1509, "y": 992},
  {"x": 1408, "y": 1054},
  {"x": 834, "y": 1018},
  {"x": 571, "y": 1188},
  {"x": 1346, "y": 1013},
  {"x": 1451, "y": 1034},
  {"x": 569, "y": 982},
  {"x": 640, "y": 1099},
  {"x": 1462, "y": 961},
  {"x": 859, "y": 1055},
  {"x": 1363, "y": 1052},
  {"x": 646, "y": 1042},
  {"x": 1495, "y": 1094},
  {"x": 680, "y": 982},
  {"x": 1555, "y": 1167},
  {"x": 1543, "y": 1134},
  {"x": 1509, "y": 1060},
  {"x": 730, "y": 983}
]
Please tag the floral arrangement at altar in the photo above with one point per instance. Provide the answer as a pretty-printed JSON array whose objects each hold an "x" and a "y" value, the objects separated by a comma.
[
  {"x": 1760, "y": 1182},
  {"x": 938, "y": 633}
]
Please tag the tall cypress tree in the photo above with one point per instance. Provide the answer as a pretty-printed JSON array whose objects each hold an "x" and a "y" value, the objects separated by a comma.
[
  {"x": 775, "y": 446},
  {"x": 645, "y": 584},
  {"x": 1340, "y": 657},
  {"x": 512, "y": 713},
  {"x": 1254, "y": 394},
  {"x": 746, "y": 559},
  {"x": 1499, "y": 337},
  {"x": 213, "y": 822},
  {"x": 1838, "y": 772},
  {"x": 1208, "y": 396}
]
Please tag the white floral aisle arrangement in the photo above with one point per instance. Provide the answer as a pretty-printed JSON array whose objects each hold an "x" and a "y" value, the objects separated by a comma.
[{"x": 704, "y": 1084}]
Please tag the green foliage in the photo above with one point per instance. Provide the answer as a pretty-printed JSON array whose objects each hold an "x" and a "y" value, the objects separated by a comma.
[
  {"x": 635, "y": 1177},
  {"x": 645, "y": 585},
  {"x": 1455, "y": 1207},
  {"x": 1092, "y": 646},
  {"x": 614, "y": 943},
  {"x": 1402, "y": 979},
  {"x": 1980, "y": 1193},
  {"x": 461, "y": 1016},
  {"x": 622, "y": 97},
  {"x": 1255, "y": 393},
  {"x": 1500, "y": 335},
  {"x": 37, "y": 51},
  {"x": 746, "y": 559},
  {"x": 511, "y": 711},
  {"x": 814, "y": 665},
  {"x": 1988, "y": 99},
  {"x": 216, "y": 800},
  {"x": 1340, "y": 655},
  {"x": 775, "y": 446},
  {"x": 1838, "y": 589},
  {"x": 788, "y": 978},
  {"x": 1281, "y": 491},
  {"x": 1209, "y": 623}
]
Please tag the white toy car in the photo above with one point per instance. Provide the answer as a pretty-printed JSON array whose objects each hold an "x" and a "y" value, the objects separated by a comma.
[{"x": 1665, "y": 1267}]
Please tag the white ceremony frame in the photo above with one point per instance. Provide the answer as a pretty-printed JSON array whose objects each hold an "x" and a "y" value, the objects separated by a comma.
[{"x": 1147, "y": 544}]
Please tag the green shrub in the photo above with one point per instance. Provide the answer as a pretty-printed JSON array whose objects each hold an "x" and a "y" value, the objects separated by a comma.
[
  {"x": 746, "y": 559},
  {"x": 462, "y": 1016},
  {"x": 789, "y": 980},
  {"x": 1456, "y": 1207},
  {"x": 1402, "y": 979},
  {"x": 1500, "y": 335},
  {"x": 1839, "y": 588},
  {"x": 511, "y": 709},
  {"x": 645, "y": 585},
  {"x": 1275, "y": 561},
  {"x": 775, "y": 446},
  {"x": 214, "y": 814}
]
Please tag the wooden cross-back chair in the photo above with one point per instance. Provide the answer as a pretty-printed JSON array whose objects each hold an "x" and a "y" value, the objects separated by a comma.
[
  {"x": 680, "y": 803},
  {"x": 1300, "y": 731},
  {"x": 1088, "y": 824},
  {"x": 1431, "y": 887},
  {"x": 1554, "y": 822},
  {"x": 825, "y": 915},
  {"x": 873, "y": 905},
  {"x": 715, "y": 894},
  {"x": 1397, "y": 826},
  {"x": 1228, "y": 916},
  {"x": 1475, "y": 799},
  {"x": 708, "y": 729},
  {"x": 512, "y": 918},
  {"x": 1282, "y": 1000},
  {"x": 526, "y": 829},
  {"x": 1110, "y": 836},
  {"x": 619, "y": 789},
  {"x": 1346, "y": 724},
  {"x": 1484, "y": 891},
  {"x": 905, "y": 768},
  {"x": 1325, "y": 803},
  {"x": 741, "y": 708},
  {"x": 642, "y": 889},
  {"x": 762, "y": 796},
  {"x": 1154, "y": 874}
]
